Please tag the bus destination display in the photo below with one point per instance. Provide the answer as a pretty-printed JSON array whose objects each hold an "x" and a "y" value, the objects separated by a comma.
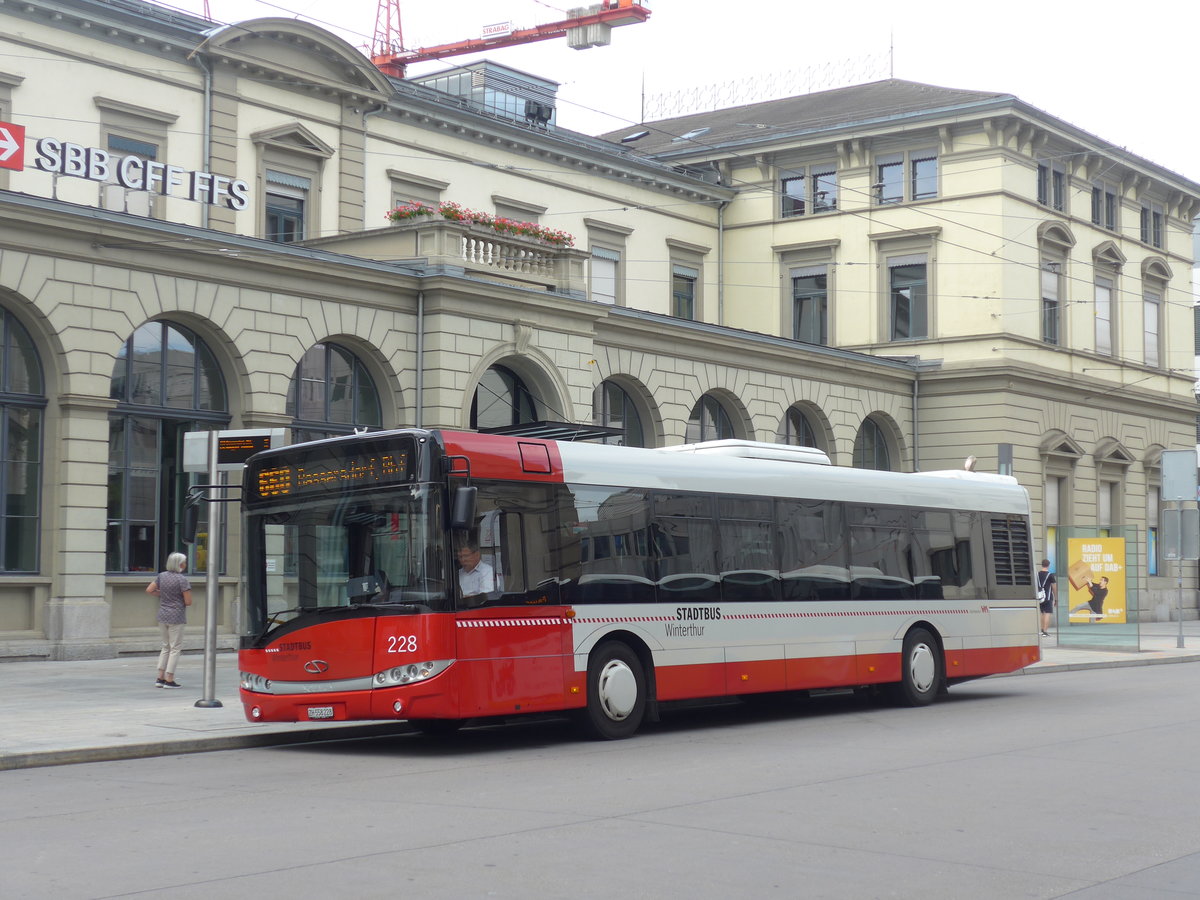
[{"x": 308, "y": 474}]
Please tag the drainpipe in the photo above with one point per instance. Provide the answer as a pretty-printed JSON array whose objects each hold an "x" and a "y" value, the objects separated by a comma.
[
  {"x": 419, "y": 412},
  {"x": 721, "y": 262},
  {"x": 372, "y": 112},
  {"x": 916, "y": 391},
  {"x": 206, "y": 129},
  {"x": 919, "y": 366}
]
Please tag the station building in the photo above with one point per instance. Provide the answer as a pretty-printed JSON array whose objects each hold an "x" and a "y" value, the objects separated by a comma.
[{"x": 195, "y": 235}]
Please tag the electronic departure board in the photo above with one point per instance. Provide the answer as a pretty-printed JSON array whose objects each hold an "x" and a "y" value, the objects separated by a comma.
[
  {"x": 239, "y": 448},
  {"x": 329, "y": 469}
]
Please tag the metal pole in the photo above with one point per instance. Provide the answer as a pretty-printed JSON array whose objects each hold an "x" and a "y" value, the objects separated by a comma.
[
  {"x": 210, "y": 581},
  {"x": 1179, "y": 640}
]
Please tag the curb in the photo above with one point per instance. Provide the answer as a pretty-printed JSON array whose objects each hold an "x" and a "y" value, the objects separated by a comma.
[
  {"x": 1040, "y": 669},
  {"x": 44, "y": 758}
]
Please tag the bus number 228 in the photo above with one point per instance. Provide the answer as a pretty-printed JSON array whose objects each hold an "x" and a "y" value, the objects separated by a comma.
[{"x": 402, "y": 643}]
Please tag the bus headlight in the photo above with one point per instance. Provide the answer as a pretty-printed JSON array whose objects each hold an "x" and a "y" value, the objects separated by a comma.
[
  {"x": 256, "y": 683},
  {"x": 409, "y": 673}
]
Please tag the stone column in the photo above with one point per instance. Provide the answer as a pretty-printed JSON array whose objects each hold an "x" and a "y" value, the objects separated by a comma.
[{"x": 78, "y": 612}]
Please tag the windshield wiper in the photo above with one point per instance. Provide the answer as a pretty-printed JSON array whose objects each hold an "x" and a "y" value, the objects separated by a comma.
[{"x": 401, "y": 605}]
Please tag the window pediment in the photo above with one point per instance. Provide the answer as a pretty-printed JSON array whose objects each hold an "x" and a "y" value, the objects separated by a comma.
[
  {"x": 1156, "y": 267},
  {"x": 304, "y": 53},
  {"x": 1113, "y": 453},
  {"x": 1109, "y": 254},
  {"x": 293, "y": 138},
  {"x": 1056, "y": 234},
  {"x": 1060, "y": 445}
]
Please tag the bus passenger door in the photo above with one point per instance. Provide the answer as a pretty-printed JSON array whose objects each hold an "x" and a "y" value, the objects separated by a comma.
[{"x": 514, "y": 643}]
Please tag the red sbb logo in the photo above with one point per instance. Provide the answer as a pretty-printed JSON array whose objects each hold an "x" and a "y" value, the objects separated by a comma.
[{"x": 12, "y": 146}]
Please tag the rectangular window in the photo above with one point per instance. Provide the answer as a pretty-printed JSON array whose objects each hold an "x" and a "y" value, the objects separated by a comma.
[
  {"x": 683, "y": 292},
  {"x": 1108, "y": 505},
  {"x": 518, "y": 211},
  {"x": 684, "y": 535},
  {"x": 924, "y": 174},
  {"x": 794, "y": 190},
  {"x": 116, "y": 196},
  {"x": 908, "y": 291},
  {"x": 1052, "y": 186},
  {"x": 810, "y": 305},
  {"x": 285, "y": 201},
  {"x": 605, "y": 265},
  {"x": 901, "y": 177},
  {"x": 1052, "y": 499},
  {"x": 808, "y": 190},
  {"x": 408, "y": 188},
  {"x": 1152, "y": 225},
  {"x": 825, "y": 188},
  {"x": 1104, "y": 206},
  {"x": 1153, "y": 496},
  {"x": 1050, "y": 302},
  {"x": 1152, "y": 317},
  {"x": 812, "y": 550},
  {"x": 285, "y": 219},
  {"x": 882, "y": 552},
  {"x": 889, "y": 179},
  {"x": 1104, "y": 333}
]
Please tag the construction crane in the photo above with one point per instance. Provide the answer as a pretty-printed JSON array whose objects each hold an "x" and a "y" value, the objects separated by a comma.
[{"x": 585, "y": 27}]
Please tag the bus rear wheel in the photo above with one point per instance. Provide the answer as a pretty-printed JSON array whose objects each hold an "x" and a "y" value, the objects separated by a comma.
[
  {"x": 921, "y": 667},
  {"x": 616, "y": 692}
]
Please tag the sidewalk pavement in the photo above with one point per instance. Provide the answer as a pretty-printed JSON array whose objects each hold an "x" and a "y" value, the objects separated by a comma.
[{"x": 57, "y": 713}]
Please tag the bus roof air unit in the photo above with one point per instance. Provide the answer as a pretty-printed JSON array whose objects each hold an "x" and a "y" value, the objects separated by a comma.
[{"x": 756, "y": 450}]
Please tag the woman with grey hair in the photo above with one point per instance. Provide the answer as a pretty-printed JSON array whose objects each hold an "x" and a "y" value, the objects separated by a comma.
[{"x": 174, "y": 596}]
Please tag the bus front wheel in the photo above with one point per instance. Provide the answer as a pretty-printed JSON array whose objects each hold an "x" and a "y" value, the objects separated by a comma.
[
  {"x": 921, "y": 666},
  {"x": 616, "y": 692}
]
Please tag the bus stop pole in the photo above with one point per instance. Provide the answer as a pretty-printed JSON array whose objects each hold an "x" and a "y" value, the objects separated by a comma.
[
  {"x": 1179, "y": 612},
  {"x": 212, "y": 588}
]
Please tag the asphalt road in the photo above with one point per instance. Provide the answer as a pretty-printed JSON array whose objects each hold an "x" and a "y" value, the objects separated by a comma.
[{"x": 1081, "y": 784}]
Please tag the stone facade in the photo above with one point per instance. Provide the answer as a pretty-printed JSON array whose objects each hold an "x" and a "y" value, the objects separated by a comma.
[{"x": 428, "y": 308}]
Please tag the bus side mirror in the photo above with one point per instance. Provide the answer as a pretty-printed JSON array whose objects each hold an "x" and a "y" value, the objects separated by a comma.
[
  {"x": 462, "y": 508},
  {"x": 191, "y": 519}
]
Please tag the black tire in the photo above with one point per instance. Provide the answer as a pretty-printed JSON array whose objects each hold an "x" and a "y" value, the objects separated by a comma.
[
  {"x": 616, "y": 692},
  {"x": 436, "y": 727},
  {"x": 921, "y": 669}
]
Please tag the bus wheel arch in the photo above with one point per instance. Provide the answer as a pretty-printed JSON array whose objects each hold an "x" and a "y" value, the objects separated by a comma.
[
  {"x": 620, "y": 688},
  {"x": 922, "y": 667}
]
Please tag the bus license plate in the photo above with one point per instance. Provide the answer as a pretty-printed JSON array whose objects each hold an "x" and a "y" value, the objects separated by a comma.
[{"x": 320, "y": 712}]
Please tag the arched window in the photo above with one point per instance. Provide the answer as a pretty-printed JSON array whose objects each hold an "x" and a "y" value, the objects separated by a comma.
[
  {"x": 331, "y": 393},
  {"x": 22, "y": 401},
  {"x": 166, "y": 382},
  {"x": 798, "y": 430},
  {"x": 502, "y": 400},
  {"x": 612, "y": 407},
  {"x": 708, "y": 422},
  {"x": 870, "y": 447}
]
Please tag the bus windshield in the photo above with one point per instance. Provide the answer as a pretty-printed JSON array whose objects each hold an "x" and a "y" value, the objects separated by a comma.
[{"x": 369, "y": 550}]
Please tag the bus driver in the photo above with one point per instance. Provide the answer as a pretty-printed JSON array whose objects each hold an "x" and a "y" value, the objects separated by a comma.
[{"x": 475, "y": 577}]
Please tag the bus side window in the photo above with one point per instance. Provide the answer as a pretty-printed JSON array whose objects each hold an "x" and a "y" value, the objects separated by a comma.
[{"x": 491, "y": 544}]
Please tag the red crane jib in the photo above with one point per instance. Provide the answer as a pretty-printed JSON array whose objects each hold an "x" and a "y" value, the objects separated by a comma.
[{"x": 613, "y": 13}]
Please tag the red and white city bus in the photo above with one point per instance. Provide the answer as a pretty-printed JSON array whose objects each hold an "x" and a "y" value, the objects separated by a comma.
[{"x": 620, "y": 578}]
